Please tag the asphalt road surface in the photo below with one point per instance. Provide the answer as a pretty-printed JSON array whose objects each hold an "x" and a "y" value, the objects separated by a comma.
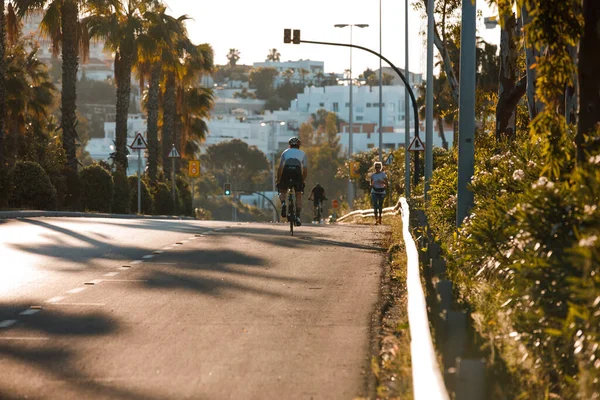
[{"x": 163, "y": 309}]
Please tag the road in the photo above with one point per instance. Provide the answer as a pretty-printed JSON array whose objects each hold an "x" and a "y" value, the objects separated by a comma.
[{"x": 167, "y": 309}]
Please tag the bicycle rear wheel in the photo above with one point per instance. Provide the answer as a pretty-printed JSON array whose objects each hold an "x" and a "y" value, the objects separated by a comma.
[{"x": 291, "y": 213}]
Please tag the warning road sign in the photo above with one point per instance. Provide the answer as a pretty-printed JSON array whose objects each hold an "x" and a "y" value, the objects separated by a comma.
[
  {"x": 174, "y": 153},
  {"x": 194, "y": 168},
  {"x": 138, "y": 143},
  {"x": 416, "y": 145}
]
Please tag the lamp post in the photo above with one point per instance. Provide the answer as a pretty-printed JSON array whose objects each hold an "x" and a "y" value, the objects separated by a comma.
[
  {"x": 273, "y": 151},
  {"x": 350, "y": 111}
]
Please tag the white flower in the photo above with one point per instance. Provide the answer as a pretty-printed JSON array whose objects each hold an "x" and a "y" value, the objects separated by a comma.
[
  {"x": 531, "y": 164},
  {"x": 595, "y": 159},
  {"x": 543, "y": 182},
  {"x": 589, "y": 210},
  {"x": 588, "y": 241},
  {"x": 518, "y": 175}
]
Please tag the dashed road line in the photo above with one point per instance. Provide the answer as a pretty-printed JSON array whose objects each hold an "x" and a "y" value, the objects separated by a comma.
[
  {"x": 136, "y": 262},
  {"x": 7, "y": 323},
  {"x": 111, "y": 274},
  {"x": 168, "y": 248},
  {"x": 30, "y": 311},
  {"x": 55, "y": 299},
  {"x": 76, "y": 290},
  {"x": 148, "y": 256}
]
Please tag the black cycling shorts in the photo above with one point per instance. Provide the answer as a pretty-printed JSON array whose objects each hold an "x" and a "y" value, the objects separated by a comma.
[{"x": 291, "y": 176}]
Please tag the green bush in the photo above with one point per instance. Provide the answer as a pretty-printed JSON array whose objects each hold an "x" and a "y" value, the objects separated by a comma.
[
  {"x": 527, "y": 264},
  {"x": 147, "y": 202},
  {"x": 32, "y": 187},
  {"x": 5, "y": 186},
  {"x": 184, "y": 192},
  {"x": 122, "y": 195},
  {"x": 163, "y": 200},
  {"x": 97, "y": 188}
]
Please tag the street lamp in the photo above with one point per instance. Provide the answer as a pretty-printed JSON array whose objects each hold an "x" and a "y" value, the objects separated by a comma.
[
  {"x": 350, "y": 126},
  {"x": 274, "y": 149}
]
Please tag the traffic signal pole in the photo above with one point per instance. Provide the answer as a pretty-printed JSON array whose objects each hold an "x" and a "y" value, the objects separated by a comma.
[{"x": 287, "y": 38}]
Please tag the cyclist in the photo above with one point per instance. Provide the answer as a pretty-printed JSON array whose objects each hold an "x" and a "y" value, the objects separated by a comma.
[
  {"x": 317, "y": 195},
  {"x": 379, "y": 181},
  {"x": 292, "y": 165}
]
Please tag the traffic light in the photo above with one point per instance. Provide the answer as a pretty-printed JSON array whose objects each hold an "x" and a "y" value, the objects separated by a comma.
[
  {"x": 227, "y": 189},
  {"x": 287, "y": 36},
  {"x": 296, "y": 39}
]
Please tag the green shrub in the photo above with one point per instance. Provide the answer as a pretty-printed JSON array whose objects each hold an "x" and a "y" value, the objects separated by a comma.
[
  {"x": 97, "y": 188},
  {"x": 122, "y": 196},
  {"x": 5, "y": 186},
  {"x": 32, "y": 187},
  {"x": 184, "y": 192},
  {"x": 147, "y": 202},
  {"x": 163, "y": 199}
]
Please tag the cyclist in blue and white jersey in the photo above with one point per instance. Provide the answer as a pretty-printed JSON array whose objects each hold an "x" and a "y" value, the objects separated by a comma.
[{"x": 293, "y": 166}]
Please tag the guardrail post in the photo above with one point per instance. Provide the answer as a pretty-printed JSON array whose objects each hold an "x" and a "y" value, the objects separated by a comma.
[{"x": 470, "y": 379}]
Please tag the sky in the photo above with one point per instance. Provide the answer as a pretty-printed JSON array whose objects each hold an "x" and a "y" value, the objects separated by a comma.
[{"x": 255, "y": 27}]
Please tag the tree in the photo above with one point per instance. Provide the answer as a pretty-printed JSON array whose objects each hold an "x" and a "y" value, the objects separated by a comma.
[
  {"x": 119, "y": 23},
  {"x": 273, "y": 55},
  {"x": 303, "y": 74},
  {"x": 160, "y": 35},
  {"x": 236, "y": 161},
  {"x": 262, "y": 80},
  {"x": 62, "y": 26},
  {"x": 233, "y": 56}
]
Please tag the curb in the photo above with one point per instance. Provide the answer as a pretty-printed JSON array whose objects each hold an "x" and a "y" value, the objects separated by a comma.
[{"x": 76, "y": 214}]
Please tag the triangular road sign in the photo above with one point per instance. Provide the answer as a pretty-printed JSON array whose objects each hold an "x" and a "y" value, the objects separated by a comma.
[
  {"x": 416, "y": 145},
  {"x": 138, "y": 143},
  {"x": 174, "y": 153}
]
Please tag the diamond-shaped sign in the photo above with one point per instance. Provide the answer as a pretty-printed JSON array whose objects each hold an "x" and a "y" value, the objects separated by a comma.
[
  {"x": 416, "y": 145},
  {"x": 138, "y": 143},
  {"x": 174, "y": 153}
]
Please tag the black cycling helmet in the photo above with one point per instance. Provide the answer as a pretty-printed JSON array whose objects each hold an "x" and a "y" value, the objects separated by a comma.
[{"x": 294, "y": 142}]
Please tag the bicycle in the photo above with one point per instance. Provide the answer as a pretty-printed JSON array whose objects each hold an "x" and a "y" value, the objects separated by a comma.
[
  {"x": 319, "y": 210},
  {"x": 291, "y": 206}
]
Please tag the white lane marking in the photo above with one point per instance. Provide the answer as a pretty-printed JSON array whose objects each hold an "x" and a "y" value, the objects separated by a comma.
[
  {"x": 76, "y": 290},
  {"x": 168, "y": 248},
  {"x": 55, "y": 299},
  {"x": 111, "y": 274},
  {"x": 192, "y": 238},
  {"x": 30, "y": 311},
  {"x": 23, "y": 338},
  {"x": 184, "y": 241},
  {"x": 8, "y": 322},
  {"x": 148, "y": 256},
  {"x": 137, "y": 262}
]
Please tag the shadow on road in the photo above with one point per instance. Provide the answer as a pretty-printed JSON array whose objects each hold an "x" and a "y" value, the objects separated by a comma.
[{"x": 52, "y": 360}]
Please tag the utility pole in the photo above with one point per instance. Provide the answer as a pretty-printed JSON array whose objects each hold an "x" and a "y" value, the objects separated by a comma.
[
  {"x": 466, "y": 111},
  {"x": 380, "y": 93},
  {"x": 429, "y": 99},
  {"x": 406, "y": 108}
]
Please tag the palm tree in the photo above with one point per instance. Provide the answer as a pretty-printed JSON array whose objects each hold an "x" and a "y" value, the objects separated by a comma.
[
  {"x": 233, "y": 56},
  {"x": 160, "y": 35},
  {"x": 61, "y": 24},
  {"x": 273, "y": 55},
  {"x": 194, "y": 102},
  {"x": 119, "y": 23},
  {"x": 303, "y": 73},
  {"x": 288, "y": 74}
]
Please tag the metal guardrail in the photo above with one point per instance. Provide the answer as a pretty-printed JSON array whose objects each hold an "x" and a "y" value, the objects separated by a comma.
[
  {"x": 369, "y": 212},
  {"x": 428, "y": 383}
]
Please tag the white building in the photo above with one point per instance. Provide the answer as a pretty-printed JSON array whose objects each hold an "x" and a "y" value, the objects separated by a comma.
[
  {"x": 100, "y": 148},
  {"x": 314, "y": 70}
]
